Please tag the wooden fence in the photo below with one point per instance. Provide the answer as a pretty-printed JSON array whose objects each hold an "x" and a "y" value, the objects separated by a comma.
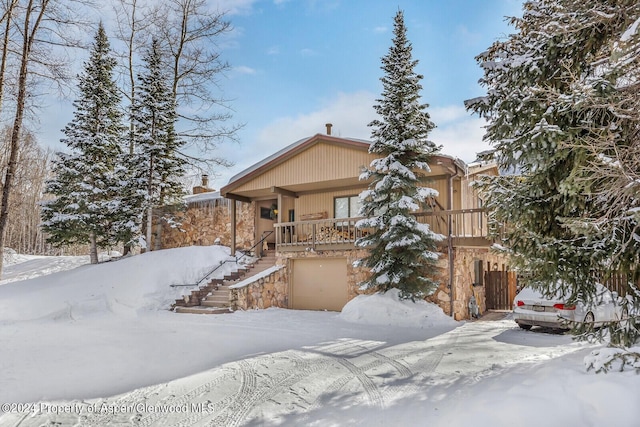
[{"x": 500, "y": 289}]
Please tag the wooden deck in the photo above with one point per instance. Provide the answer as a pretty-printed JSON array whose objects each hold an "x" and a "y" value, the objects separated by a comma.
[{"x": 467, "y": 227}]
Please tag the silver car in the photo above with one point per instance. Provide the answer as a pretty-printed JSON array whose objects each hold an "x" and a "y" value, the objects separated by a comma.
[{"x": 530, "y": 308}]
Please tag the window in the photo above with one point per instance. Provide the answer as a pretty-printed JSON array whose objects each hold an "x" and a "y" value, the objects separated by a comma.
[
  {"x": 346, "y": 207},
  {"x": 265, "y": 213}
]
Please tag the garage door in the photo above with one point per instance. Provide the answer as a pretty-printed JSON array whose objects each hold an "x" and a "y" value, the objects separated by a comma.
[{"x": 319, "y": 284}]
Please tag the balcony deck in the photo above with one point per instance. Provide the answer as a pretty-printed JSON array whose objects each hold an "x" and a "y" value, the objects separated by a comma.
[{"x": 466, "y": 227}]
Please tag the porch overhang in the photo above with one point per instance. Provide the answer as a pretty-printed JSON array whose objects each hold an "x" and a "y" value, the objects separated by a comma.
[
  {"x": 293, "y": 191},
  {"x": 237, "y": 197}
]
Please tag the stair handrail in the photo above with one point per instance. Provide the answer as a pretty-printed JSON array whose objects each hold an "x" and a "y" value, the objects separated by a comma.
[
  {"x": 265, "y": 234},
  {"x": 235, "y": 260}
]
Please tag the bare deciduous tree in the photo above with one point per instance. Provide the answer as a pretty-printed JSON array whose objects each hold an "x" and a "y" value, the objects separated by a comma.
[
  {"x": 23, "y": 232},
  {"x": 37, "y": 28},
  {"x": 7, "y": 13},
  {"x": 191, "y": 31}
]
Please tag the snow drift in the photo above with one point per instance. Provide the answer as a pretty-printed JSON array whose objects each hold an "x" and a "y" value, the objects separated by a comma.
[{"x": 126, "y": 286}]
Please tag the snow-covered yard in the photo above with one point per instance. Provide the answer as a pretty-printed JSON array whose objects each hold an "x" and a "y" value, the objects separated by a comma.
[{"x": 95, "y": 345}]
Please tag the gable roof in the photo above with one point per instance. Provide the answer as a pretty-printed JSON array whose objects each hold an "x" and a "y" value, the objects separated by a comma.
[
  {"x": 301, "y": 145},
  {"x": 286, "y": 153}
]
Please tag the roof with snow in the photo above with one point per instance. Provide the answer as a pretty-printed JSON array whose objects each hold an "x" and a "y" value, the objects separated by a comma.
[
  {"x": 302, "y": 144},
  {"x": 290, "y": 148},
  {"x": 203, "y": 197}
]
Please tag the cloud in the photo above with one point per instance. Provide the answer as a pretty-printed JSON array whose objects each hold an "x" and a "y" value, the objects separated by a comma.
[
  {"x": 380, "y": 30},
  {"x": 466, "y": 37},
  {"x": 461, "y": 138},
  {"x": 348, "y": 112},
  {"x": 308, "y": 52},
  {"x": 243, "y": 69},
  {"x": 273, "y": 50},
  {"x": 323, "y": 6},
  {"x": 447, "y": 114},
  {"x": 235, "y": 7},
  {"x": 457, "y": 131}
]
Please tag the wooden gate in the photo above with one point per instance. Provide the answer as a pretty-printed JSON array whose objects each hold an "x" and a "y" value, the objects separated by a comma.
[{"x": 500, "y": 289}]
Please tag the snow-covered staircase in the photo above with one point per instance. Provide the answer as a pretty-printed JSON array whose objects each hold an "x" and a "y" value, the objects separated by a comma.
[{"x": 214, "y": 297}]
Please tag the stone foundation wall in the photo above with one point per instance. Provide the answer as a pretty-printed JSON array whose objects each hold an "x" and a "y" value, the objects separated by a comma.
[
  {"x": 273, "y": 290},
  {"x": 204, "y": 222},
  {"x": 463, "y": 279},
  {"x": 269, "y": 291}
]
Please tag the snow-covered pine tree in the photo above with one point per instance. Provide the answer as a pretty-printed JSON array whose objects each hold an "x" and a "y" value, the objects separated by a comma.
[
  {"x": 608, "y": 102},
  {"x": 131, "y": 196},
  {"x": 86, "y": 204},
  {"x": 540, "y": 83},
  {"x": 158, "y": 163},
  {"x": 402, "y": 252}
]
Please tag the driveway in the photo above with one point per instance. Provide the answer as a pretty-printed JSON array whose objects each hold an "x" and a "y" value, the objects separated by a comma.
[{"x": 305, "y": 386}]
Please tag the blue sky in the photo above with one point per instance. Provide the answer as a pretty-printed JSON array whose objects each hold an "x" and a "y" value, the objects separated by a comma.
[{"x": 298, "y": 64}]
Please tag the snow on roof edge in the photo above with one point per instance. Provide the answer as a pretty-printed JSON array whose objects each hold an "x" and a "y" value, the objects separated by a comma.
[{"x": 201, "y": 197}]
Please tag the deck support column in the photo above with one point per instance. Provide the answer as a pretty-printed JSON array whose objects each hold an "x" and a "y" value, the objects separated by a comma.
[
  {"x": 233, "y": 228},
  {"x": 450, "y": 251}
]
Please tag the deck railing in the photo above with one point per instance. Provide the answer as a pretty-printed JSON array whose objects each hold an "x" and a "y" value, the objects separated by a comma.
[
  {"x": 464, "y": 222},
  {"x": 310, "y": 234},
  {"x": 342, "y": 232}
]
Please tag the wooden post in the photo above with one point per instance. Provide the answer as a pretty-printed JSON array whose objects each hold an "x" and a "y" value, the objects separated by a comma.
[
  {"x": 313, "y": 238},
  {"x": 279, "y": 219},
  {"x": 233, "y": 227},
  {"x": 450, "y": 251}
]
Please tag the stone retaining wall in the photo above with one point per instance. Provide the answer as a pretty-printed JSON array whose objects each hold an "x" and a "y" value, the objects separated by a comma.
[
  {"x": 206, "y": 221},
  {"x": 268, "y": 291}
]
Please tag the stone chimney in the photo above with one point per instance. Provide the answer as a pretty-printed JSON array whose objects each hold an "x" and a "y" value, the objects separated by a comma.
[
  {"x": 329, "y": 126},
  {"x": 204, "y": 188}
]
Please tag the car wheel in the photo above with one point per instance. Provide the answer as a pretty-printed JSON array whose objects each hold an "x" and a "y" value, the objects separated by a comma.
[
  {"x": 589, "y": 318},
  {"x": 525, "y": 327}
]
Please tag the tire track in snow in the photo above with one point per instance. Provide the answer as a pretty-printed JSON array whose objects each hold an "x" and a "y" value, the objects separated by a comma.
[
  {"x": 270, "y": 388},
  {"x": 238, "y": 392},
  {"x": 360, "y": 374},
  {"x": 397, "y": 360},
  {"x": 226, "y": 374}
]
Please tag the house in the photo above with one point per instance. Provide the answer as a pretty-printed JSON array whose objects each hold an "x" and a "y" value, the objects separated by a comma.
[{"x": 303, "y": 202}]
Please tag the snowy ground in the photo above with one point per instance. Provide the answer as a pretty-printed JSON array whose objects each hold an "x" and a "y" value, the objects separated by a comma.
[{"x": 95, "y": 346}]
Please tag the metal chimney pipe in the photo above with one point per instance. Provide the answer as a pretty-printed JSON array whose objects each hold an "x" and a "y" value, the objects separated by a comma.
[{"x": 328, "y": 125}]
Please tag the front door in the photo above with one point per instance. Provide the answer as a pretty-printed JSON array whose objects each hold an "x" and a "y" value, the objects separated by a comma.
[{"x": 266, "y": 218}]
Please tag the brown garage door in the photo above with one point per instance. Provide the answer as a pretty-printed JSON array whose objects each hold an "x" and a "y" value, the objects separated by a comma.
[{"x": 319, "y": 284}]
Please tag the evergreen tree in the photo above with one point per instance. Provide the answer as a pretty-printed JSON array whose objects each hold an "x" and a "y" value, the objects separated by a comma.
[
  {"x": 402, "y": 251},
  {"x": 86, "y": 202},
  {"x": 158, "y": 164},
  {"x": 131, "y": 196},
  {"x": 553, "y": 107}
]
